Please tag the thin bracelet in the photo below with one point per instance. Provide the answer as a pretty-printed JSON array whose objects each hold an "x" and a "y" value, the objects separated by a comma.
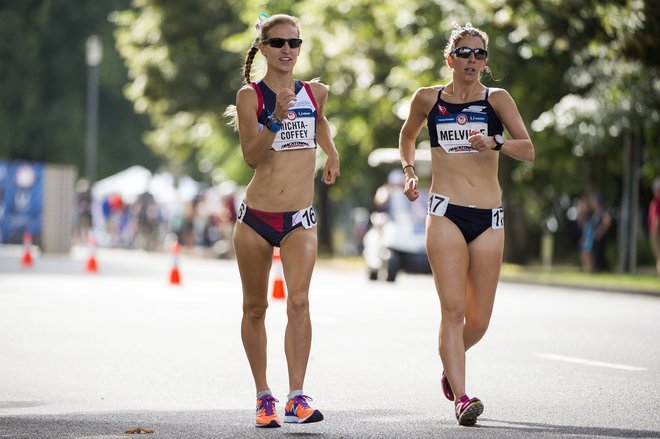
[
  {"x": 408, "y": 166},
  {"x": 277, "y": 120}
]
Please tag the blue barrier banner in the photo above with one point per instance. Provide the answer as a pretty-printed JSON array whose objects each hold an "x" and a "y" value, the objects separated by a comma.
[{"x": 21, "y": 200}]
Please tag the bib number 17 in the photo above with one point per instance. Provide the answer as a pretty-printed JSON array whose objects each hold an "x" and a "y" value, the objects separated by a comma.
[{"x": 498, "y": 218}]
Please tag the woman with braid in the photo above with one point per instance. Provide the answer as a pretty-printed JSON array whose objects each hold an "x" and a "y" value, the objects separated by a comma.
[
  {"x": 280, "y": 120},
  {"x": 465, "y": 221}
]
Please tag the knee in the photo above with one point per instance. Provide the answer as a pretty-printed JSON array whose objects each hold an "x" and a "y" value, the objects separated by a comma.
[
  {"x": 255, "y": 310},
  {"x": 453, "y": 315},
  {"x": 297, "y": 305},
  {"x": 477, "y": 324}
]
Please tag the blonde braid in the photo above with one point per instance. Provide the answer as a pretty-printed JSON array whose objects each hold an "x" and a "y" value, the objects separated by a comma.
[{"x": 249, "y": 58}]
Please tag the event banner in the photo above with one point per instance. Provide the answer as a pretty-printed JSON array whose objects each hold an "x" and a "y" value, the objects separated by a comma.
[{"x": 21, "y": 200}]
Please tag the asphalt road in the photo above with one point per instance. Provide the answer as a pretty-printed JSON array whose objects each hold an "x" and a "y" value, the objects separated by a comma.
[{"x": 90, "y": 355}]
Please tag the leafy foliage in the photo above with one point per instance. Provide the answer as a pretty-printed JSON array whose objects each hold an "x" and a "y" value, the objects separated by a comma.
[
  {"x": 183, "y": 77},
  {"x": 583, "y": 73},
  {"x": 43, "y": 86}
]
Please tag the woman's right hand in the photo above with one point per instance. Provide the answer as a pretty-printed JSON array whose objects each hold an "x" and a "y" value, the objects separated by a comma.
[
  {"x": 284, "y": 100},
  {"x": 410, "y": 188}
]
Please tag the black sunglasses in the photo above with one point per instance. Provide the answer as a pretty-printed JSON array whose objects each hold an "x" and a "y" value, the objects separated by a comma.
[
  {"x": 278, "y": 43},
  {"x": 464, "y": 52}
]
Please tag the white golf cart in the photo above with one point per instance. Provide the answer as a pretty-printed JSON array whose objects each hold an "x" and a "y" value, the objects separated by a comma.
[{"x": 396, "y": 240}]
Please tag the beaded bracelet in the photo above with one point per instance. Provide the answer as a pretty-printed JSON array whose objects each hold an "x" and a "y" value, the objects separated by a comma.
[
  {"x": 276, "y": 119},
  {"x": 272, "y": 123}
]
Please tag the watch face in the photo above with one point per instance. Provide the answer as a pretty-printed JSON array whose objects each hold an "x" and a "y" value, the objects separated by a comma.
[{"x": 499, "y": 139}]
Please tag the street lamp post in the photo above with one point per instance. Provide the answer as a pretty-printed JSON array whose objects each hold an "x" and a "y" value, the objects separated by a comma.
[{"x": 93, "y": 57}]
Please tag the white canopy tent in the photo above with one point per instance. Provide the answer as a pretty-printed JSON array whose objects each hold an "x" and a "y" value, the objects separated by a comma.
[{"x": 133, "y": 181}]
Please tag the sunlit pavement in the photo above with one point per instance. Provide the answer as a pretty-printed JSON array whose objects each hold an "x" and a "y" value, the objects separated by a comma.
[{"x": 91, "y": 355}]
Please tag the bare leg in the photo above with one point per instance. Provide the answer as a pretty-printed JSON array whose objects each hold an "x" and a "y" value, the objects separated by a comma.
[
  {"x": 448, "y": 255},
  {"x": 486, "y": 253},
  {"x": 298, "y": 254},
  {"x": 254, "y": 256}
]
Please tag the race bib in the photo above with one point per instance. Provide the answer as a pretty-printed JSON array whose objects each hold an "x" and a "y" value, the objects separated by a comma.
[
  {"x": 437, "y": 204},
  {"x": 498, "y": 218},
  {"x": 454, "y": 130},
  {"x": 306, "y": 216},
  {"x": 241, "y": 212},
  {"x": 298, "y": 130}
]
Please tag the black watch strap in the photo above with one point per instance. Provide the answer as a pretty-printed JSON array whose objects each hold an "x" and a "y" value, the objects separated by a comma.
[{"x": 499, "y": 141}]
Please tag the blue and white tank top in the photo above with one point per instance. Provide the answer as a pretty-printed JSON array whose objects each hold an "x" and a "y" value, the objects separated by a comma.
[
  {"x": 450, "y": 124},
  {"x": 298, "y": 126}
]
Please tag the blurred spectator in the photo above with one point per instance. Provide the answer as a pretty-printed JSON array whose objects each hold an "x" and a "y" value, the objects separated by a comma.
[
  {"x": 83, "y": 213},
  {"x": 595, "y": 220},
  {"x": 226, "y": 223},
  {"x": 114, "y": 218},
  {"x": 186, "y": 236},
  {"x": 586, "y": 234},
  {"x": 601, "y": 220},
  {"x": 654, "y": 222},
  {"x": 146, "y": 217},
  {"x": 395, "y": 183}
]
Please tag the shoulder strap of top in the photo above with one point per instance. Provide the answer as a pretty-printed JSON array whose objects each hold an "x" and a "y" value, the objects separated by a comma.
[
  {"x": 260, "y": 97},
  {"x": 311, "y": 95},
  {"x": 487, "y": 91},
  {"x": 442, "y": 87}
]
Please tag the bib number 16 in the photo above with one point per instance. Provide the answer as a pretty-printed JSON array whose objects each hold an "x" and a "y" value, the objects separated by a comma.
[{"x": 308, "y": 218}]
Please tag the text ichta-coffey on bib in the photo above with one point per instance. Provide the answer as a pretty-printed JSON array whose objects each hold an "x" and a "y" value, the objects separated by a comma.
[{"x": 298, "y": 130}]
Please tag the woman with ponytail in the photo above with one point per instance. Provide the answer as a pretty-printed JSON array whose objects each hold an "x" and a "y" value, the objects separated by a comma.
[
  {"x": 280, "y": 121},
  {"x": 465, "y": 222}
]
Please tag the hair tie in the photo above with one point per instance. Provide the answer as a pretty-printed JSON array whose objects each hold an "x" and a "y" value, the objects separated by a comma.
[
  {"x": 263, "y": 18},
  {"x": 458, "y": 28}
]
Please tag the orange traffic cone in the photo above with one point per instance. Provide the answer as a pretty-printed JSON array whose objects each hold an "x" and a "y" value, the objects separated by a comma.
[
  {"x": 175, "y": 276},
  {"x": 92, "y": 266},
  {"x": 279, "y": 288},
  {"x": 26, "y": 261}
]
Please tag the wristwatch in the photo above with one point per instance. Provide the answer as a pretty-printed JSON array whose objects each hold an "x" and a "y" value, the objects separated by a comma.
[
  {"x": 272, "y": 125},
  {"x": 499, "y": 141}
]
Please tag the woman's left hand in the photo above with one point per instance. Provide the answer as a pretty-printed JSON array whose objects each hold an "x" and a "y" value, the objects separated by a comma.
[
  {"x": 330, "y": 170},
  {"x": 481, "y": 142}
]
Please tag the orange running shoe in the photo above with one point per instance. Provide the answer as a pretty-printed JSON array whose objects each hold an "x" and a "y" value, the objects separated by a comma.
[
  {"x": 266, "y": 416},
  {"x": 298, "y": 411}
]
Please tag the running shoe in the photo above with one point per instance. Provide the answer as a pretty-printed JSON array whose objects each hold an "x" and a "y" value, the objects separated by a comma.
[
  {"x": 266, "y": 416},
  {"x": 298, "y": 411},
  {"x": 468, "y": 410},
  {"x": 446, "y": 388}
]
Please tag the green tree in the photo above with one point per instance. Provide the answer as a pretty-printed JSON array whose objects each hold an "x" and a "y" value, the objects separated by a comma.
[
  {"x": 43, "y": 85},
  {"x": 183, "y": 77},
  {"x": 578, "y": 69}
]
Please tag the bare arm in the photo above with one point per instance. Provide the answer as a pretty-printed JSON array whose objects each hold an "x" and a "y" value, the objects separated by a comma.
[
  {"x": 256, "y": 144},
  {"x": 519, "y": 146},
  {"x": 604, "y": 225},
  {"x": 422, "y": 101},
  {"x": 324, "y": 135}
]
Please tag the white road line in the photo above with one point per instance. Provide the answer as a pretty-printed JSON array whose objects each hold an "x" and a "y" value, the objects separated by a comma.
[{"x": 590, "y": 362}]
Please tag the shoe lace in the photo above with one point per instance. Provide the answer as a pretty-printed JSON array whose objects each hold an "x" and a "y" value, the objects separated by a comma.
[
  {"x": 302, "y": 400},
  {"x": 267, "y": 403}
]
